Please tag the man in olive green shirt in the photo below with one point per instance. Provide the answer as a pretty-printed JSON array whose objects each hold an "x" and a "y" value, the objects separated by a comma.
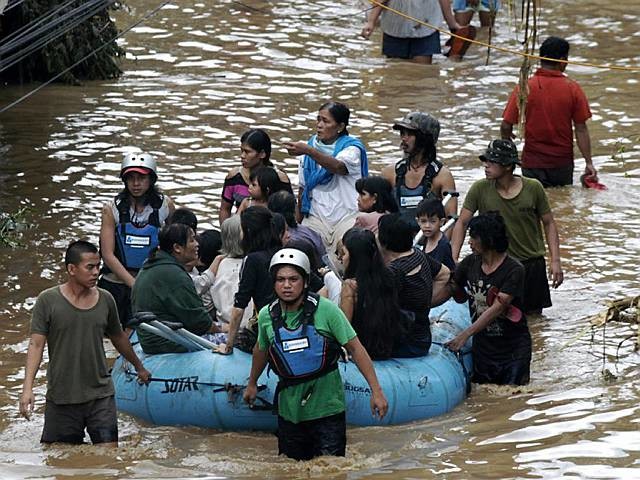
[
  {"x": 72, "y": 319},
  {"x": 303, "y": 341},
  {"x": 523, "y": 204}
]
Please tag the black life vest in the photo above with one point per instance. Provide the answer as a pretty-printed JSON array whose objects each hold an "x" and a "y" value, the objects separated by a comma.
[
  {"x": 409, "y": 198},
  {"x": 301, "y": 354}
]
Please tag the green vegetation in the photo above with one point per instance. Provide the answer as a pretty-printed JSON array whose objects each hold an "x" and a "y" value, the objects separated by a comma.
[{"x": 11, "y": 224}]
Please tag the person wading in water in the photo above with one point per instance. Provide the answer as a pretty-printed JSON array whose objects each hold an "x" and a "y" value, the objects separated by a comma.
[{"x": 419, "y": 174}]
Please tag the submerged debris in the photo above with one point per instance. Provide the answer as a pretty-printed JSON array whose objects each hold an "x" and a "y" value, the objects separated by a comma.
[
  {"x": 626, "y": 309},
  {"x": 11, "y": 224}
]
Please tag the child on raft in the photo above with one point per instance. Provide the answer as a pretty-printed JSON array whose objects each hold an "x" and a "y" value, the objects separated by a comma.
[
  {"x": 263, "y": 182},
  {"x": 431, "y": 217},
  {"x": 255, "y": 152}
]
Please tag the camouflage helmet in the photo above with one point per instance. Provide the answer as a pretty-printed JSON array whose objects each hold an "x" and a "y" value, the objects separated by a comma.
[
  {"x": 503, "y": 152},
  {"x": 421, "y": 122}
]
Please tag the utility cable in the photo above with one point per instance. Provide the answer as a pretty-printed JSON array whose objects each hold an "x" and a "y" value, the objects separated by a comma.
[
  {"x": 42, "y": 40},
  {"x": 501, "y": 49},
  {"x": 93, "y": 52},
  {"x": 35, "y": 32},
  {"x": 14, "y": 4},
  {"x": 35, "y": 22}
]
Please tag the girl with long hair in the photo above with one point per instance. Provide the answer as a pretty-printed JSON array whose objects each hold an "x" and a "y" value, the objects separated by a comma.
[{"x": 255, "y": 152}]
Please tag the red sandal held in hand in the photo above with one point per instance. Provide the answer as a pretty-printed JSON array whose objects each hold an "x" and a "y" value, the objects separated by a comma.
[{"x": 458, "y": 46}]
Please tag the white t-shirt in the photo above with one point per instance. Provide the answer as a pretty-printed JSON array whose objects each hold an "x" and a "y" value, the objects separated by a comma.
[
  {"x": 338, "y": 198},
  {"x": 203, "y": 283},
  {"x": 224, "y": 289},
  {"x": 334, "y": 286}
]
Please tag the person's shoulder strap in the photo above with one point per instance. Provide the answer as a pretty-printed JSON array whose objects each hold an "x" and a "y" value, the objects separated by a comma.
[
  {"x": 156, "y": 203},
  {"x": 430, "y": 173},
  {"x": 401, "y": 168},
  {"x": 401, "y": 172},
  {"x": 309, "y": 307},
  {"x": 122, "y": 206}
]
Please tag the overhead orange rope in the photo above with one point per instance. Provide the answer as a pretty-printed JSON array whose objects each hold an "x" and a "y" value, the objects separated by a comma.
[{"x": 502, "y": 49}]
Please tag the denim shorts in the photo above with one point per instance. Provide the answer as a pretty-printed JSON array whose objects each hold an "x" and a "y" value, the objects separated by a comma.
[
  {"x": 483, "y": 6},
  {"x": 396, "y": 47}
]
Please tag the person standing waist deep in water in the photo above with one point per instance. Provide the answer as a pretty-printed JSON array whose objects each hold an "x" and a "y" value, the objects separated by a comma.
[{"x": 72, "y": 319}]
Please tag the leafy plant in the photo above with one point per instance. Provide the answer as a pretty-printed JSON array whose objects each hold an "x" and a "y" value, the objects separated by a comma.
[{"x": 11, "y": 224}]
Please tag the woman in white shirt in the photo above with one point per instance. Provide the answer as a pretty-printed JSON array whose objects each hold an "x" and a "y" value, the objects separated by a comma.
[{"x": 331, "y": 163}]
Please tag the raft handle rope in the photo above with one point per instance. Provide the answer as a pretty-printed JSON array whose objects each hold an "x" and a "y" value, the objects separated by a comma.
[
  {"x": 500, "y": 49},
  {"x": 460, "y": 357},
  {"x": 144, "y": 18},
  {"x": 229, "y": 388}
]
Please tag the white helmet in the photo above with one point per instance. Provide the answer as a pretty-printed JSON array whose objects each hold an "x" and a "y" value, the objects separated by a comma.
[
  {"x": 138, "y": 162},
  {"x": 291, "y": 256}
]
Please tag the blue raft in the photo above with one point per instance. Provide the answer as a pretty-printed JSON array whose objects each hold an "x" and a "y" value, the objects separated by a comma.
[{"x": 204, "y": 389}]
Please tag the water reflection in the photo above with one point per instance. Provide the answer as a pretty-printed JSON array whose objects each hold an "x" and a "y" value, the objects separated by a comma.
[{"x": 196, "y": 77}]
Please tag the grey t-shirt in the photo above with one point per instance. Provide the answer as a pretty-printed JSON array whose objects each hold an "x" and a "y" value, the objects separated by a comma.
[
  {"x": 77, "y": 370},
  {"x": 428, "y": 11}
]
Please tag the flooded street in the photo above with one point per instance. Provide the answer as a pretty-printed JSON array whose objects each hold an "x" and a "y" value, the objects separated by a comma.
[{"x": 197, "y": 76}]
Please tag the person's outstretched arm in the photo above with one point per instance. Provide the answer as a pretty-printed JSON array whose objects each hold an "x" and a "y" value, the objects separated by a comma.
[
  {"x": 506, "y": 131},
  {"x": 258, "y": 364},
  {"x": 489, "y": 315},
  {"x": 108, "y": 247},
  {"x": 123, "y": 346},
  {"x": 447, "y": 12},
  {"x": 372, "y": 20},
  {"x": 329, "y": 162}
]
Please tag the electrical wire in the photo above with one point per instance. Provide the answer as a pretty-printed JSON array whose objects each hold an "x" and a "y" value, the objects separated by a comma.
[
  {"x": 33, "y": 23},
  {"x": 41, "y": 38},
  {"x": 14, "y": 4},
  {"x": 502, "y": 49},
  {"x": 93, "y": 52}
]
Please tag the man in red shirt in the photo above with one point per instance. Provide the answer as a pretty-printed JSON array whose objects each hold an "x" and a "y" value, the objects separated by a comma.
[{"x": 556, "y": 107}]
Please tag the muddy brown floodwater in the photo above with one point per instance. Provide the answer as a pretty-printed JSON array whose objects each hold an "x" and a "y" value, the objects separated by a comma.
[{"x": 197, "y": 75}]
